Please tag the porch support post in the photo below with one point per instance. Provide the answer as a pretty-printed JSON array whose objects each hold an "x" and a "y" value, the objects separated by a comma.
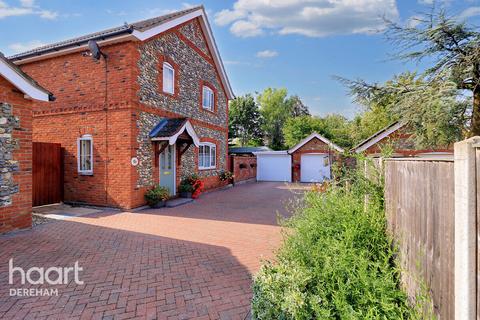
[{"x": 158, "y": 149}]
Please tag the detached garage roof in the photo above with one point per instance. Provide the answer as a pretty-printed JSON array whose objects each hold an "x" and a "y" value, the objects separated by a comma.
[
  {"x": 378, "y": 136},
  {"x": 22, "y": 81},
  {"x": 319, "y": 137}
]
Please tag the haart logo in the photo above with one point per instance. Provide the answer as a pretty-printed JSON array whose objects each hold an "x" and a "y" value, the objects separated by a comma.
[{"x": 40, "y": 276}]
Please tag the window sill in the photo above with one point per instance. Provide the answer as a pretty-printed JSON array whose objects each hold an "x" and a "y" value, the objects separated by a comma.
[
  {"x": 207, "y": 168},
  {"x": 208, "y": 110},
  {"x": 85, "y": 173}
]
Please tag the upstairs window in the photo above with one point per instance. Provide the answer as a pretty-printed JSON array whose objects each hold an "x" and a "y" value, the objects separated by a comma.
[
  {"x": 208, "y": 99},
  {"x": 85, "y": 155},
  {"x": 207, "y": 156},
  {"x": 168, "y": 78}
]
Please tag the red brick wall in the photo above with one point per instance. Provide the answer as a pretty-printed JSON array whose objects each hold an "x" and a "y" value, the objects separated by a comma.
[
  {"x": 242, "y": 174},
  {"x": 19, "y": 214},
  {"x": 97, "y": 189},
  {"x": 78, "y": 84},
  {"x": 313, "y": 146}
]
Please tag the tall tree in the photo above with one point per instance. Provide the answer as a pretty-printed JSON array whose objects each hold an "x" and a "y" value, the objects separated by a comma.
[
  {"x": 245, "y": 120},
  {"x": 334, "y": 127},
  {"x": 296, "y": 129},
  {"x": 275, "y": 110},
  {"x": 452, "y": 45},
  {"x": 297, "y": 107}
]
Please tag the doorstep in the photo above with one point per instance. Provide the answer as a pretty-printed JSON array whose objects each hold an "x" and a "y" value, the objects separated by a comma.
[{"x": 178, "y": 202}]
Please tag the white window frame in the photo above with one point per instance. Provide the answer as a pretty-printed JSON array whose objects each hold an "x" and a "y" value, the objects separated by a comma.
[
  {"x": 168, "y": 66},
  {"x": 212, "y": 98},
  {"x": 85, "y": 137},
  {"x": 212, "y": 146}
]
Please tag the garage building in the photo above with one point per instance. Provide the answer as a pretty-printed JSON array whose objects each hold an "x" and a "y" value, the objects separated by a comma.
[{"x": 308, "y": 161}]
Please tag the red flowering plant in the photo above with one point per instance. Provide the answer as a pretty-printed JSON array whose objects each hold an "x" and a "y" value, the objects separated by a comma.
[{"x": 193, "y": 184}]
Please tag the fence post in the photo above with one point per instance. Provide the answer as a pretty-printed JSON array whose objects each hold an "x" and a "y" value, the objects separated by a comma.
[{"x": 465, "y": 229}]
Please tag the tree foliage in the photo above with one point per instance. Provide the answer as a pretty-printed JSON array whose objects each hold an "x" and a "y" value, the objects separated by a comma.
[
  {"x": 433, "y": 109},
  {"x": 245, "y": 120},
  {"x": 276, "y": 108},
  {"x": 334, "y": 127},
  {"x": 454, "y": 48}
]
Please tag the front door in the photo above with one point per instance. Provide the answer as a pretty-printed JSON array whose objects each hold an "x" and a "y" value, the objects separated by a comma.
[{"x": 167, "y": 169}]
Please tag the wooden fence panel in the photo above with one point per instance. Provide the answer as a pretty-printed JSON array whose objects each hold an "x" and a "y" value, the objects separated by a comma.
[
  {"x": 47, "y": 173},
  {"x": 419, "y": 196}
]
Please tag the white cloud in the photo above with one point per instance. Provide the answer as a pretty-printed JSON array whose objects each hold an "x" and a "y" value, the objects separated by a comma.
[
  {"x": 22, "y": 47},
  {"x": 27, "y": 7},
  {"x": 267, "y": 54},
  {"x": 469, "y": 12},
  {"x": 313, "y": 18}
]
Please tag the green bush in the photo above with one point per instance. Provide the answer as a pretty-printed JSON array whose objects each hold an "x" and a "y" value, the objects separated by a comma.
[
  {"x": 157, "y": 194},
  {"x": 336, "y": 261}
]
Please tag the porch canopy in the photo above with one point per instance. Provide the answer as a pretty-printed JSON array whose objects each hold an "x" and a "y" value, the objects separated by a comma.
[{"x": 172, "y": 131}]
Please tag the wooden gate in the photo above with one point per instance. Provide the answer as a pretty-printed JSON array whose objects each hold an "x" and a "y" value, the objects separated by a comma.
[{"x": 47, "y": 173}]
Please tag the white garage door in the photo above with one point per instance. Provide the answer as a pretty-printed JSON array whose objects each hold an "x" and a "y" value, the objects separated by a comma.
[
  {"x": 274, "y": 167},
  {"x": 314, "y": 167}
]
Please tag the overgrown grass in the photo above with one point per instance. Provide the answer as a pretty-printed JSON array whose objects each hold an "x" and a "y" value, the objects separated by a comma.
[{"x": 336, "y": 261}]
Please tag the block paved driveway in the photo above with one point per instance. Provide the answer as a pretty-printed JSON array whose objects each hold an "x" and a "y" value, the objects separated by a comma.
[{"x": 190, "y": 262}]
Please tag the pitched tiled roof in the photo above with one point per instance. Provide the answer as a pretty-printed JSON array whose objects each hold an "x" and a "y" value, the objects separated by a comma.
[
  {"x": 105, "y": 34},
  {"x": 32, "y": 83},
  {"x": 378, "y": 135},
  {"x": 167, "y": 128}
]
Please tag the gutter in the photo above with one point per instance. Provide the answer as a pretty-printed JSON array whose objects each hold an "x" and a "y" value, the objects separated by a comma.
[{"x": 80, "y": 43}]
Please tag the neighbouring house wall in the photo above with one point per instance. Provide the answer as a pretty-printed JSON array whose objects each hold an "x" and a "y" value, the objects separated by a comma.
[
  {"x": 78, "y": 83},
  {"x": 243, "y": 167},
  {"x": 15, "y": 159},
  {"x": 402, "y": 145},
  {"x": 313, "y": 146}
]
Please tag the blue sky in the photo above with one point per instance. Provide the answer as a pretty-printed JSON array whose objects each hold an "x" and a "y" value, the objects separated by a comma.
[{"x": 296, "y": 44}]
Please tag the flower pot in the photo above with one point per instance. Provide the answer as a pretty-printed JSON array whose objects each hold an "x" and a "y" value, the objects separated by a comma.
[
  {"x": 159, "y": 204},
  {"x": 185, "y": 194}
]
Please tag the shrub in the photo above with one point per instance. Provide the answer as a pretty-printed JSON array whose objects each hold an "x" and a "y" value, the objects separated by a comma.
[
  {"x": 225, "y": 175},
  {"x": 157, "y": 194},
  {"x": 336, "y": 261},
  {"x": 185, "y": 187}
]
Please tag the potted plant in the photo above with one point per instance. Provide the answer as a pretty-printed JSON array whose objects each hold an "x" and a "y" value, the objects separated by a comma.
[
  {"x": 185, "y": 190},
  {"x": 191, "y": 187},
  {"x": 157, "y": 196}
]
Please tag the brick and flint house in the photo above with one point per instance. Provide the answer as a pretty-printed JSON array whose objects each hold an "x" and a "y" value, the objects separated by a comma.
[
  {"x": 152, "y": 109},
  {"x": 18, "y": 95}
]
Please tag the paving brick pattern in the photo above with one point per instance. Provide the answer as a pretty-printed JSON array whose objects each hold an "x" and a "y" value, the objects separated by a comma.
[{"x": 190, "y": 262}]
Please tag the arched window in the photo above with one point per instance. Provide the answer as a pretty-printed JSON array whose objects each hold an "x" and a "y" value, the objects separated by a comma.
[{"x": 168, "y": 78}]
